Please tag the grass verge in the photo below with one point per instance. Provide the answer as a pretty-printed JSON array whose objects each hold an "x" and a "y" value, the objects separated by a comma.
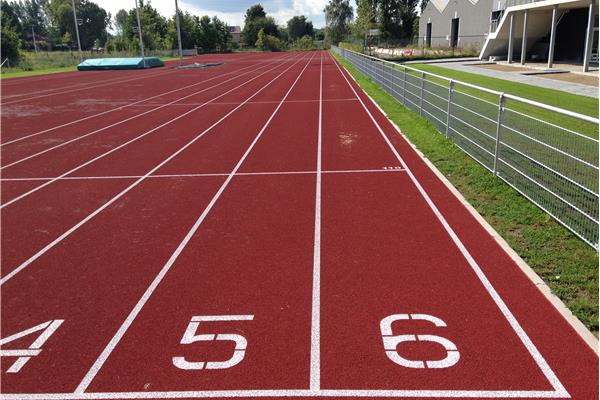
[
  {"x": 581, "y": 104},
  {"x": 20, "y": 73},
  {"x": 564, "y": 262}
]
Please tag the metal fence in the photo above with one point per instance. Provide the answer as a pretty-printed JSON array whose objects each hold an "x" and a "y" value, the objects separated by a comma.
[{"x": 548, "y": 154}]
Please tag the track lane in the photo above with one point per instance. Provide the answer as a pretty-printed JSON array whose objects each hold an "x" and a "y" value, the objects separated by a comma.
[
  {"x": 512, "y": 286},
  {"x": 252, "y": 209}
]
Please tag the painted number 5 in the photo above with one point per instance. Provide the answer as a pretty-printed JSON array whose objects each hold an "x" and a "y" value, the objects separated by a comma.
[
  {"x": 391, "y": 342},
  {"x": 191, "y": 336}
]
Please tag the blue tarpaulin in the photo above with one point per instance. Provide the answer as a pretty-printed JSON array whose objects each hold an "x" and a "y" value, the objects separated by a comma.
[{"x": 119, "y": 63}]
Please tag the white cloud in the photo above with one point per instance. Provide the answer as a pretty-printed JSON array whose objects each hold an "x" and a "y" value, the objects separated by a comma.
[{"x": 281, "y": 10}]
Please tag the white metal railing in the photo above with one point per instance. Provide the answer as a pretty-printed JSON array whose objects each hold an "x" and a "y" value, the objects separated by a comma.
[{"x": 548, "y": 154}]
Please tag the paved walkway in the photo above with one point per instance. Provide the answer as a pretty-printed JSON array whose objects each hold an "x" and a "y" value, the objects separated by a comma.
[{"x": 569, "y": 87}]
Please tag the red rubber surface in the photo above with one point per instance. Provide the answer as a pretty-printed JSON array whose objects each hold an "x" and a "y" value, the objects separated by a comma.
[{"x": 279, "y": 201}]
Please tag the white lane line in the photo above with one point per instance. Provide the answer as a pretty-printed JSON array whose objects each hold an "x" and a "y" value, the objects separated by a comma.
[
  {"x": 199, "y": 175},
  {"x": 5, "y": 103},
  {"x": 120, "y": 107},
  {"x": 49, "y": 246},
  {"x": 252, "y": 102},
  {"x": 85, "y": 84},
  {"x": 531, "y": 348},
  {"x": 39, "y": 153},
  {"x": 87, "y": 380},
  {"x": 315, "y": 331},
  {"x": 35, "y": 189},
  {"x": 372, "y": 393}
]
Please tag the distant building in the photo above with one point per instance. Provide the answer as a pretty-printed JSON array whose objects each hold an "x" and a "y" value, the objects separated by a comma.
[
  {"x": 236, "y": 33},
  {"x": 539, "y": 30}
]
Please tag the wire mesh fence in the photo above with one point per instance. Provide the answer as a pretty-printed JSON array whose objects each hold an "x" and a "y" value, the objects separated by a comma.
[{"x": 548, "y": 154}]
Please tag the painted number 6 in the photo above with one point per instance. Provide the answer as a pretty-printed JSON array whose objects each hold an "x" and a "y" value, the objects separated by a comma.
[
  {"x": 190, "y": 336},
  {"x": 390, "y": 342}
]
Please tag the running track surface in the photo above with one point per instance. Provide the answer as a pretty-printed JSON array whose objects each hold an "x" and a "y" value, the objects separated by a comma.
[{"x": 257, "y": 229}]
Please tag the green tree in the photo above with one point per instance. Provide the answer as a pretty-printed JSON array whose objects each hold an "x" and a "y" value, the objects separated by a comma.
[
  {"x": 94, "y": 21},
  {"x": 10, "y": 41},
  {"x": 268, "y": 42},
  {"x": 155, "y": 27},
  {"x": 189, "y": 31},
  {"x": 255, "y": 20},
  {"x": 298, "y": 27},
  {"x": 120, "y": 18},
  {"x": 338, "y": 15}
]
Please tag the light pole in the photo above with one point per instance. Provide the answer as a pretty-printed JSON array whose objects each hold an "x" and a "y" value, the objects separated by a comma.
[
  {"x": 178, "y": 32},
  {"x": 77, "y": 30},
  {"x": 137, "y": 12},
  {"x": 33, "y": 36}
]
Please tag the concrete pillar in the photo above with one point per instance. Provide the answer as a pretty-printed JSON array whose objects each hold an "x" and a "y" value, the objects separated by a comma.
[
  {"x": 524, "y": 43},
  {"x": 552, "y": 36},
  {"x": 511, "y": 33},
  {"x": 589, "y": 34}
]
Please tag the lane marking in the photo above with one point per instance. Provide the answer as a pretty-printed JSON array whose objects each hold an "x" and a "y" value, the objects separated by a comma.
[
  {"x": 76, "y": 178},
  {"x": 77, "y": 138},
  {"x": 49, "y": 246},
  {"x": 257, "y": 102},
  {"x": 90, "y": 87},
  {"x": 91, "y": 374},
  {"x": 315, "y": 332},
  {"x": 120, "y": 107},
  {"x": 287, "y": 393},
  {"x": 23, "y": 195},
  {"x": 532, "y": 349}
]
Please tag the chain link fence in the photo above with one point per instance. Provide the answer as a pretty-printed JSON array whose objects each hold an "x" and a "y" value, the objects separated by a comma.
[{"x": 548, "y": 154}]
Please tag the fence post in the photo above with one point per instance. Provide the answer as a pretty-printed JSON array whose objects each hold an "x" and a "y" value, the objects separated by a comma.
[
  {"x": 499, "y": 132},
  {"x": 450, "y": 96},
  {"x": 422, "y": 87},
  {"x": 404, "y": 86}
]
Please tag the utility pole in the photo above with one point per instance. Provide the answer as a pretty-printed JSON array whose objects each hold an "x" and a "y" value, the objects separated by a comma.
[
  {"x": 137, "y": 12},
  {"x": 33, "y": 35},
  {"x": 77, "y": 30},
  {"x": 178, "y": 33}
]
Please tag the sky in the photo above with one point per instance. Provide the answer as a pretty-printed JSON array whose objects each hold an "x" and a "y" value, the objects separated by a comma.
[{"x": 232, "y": 11}]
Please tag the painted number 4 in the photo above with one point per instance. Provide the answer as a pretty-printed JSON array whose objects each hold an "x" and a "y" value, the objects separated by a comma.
[
  {"x": 391, "y": 342},
  {"x": 191, "y": 335},
  {"x": 46, "y": 330}
]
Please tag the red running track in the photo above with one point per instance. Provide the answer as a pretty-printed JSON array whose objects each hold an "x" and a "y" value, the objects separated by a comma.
[{"x": 281, "y": 240}]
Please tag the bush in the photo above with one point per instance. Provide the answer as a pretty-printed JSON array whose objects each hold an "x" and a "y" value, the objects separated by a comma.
[
  {"x": 268, "y": 42},
  {"x": 304, "y": 43},
  {"x": 10, "y": 44}
]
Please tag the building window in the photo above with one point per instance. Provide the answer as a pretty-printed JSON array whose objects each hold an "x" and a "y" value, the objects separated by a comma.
[
  {"x": 428, "y": 35},
  {"x": 454, "y": 33}
]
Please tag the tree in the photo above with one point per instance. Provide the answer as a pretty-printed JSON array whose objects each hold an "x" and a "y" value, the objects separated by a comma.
[
  {"x": 255, "y": 20},
  {"x": 9, "y": 34},
  {"x": 120, "y": 18},
  {"x": 424, "y": 4},
  {"x": 189, "y": 31},
  {"x": 94, "y": 21},
  {"x": 408, "y": 15},
  {"x": 155, "y": 27},
  {"x": 338, "y": 14},
  {"x": 267, "y": 42},
  {"x": 298, "y": 27}
]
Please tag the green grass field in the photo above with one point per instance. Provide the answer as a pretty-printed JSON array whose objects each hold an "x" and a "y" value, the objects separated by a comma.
[
  {"x": 567, "y": 264},
  {"x": 581, "y": 104}
]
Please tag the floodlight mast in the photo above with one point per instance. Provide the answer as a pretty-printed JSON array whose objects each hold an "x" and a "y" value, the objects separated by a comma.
[
  {"x": 178, "y": 32},
  {"x": 137, "y": 13},
  {"x": 77, "y": 30}
]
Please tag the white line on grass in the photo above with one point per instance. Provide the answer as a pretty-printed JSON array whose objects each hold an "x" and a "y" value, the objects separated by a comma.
[
  {"x": 146, "y": 296},
  {"x": 531, "y": 348},
  {"x": 35, "y": 189},
  {"x": 128, "y": 188}
]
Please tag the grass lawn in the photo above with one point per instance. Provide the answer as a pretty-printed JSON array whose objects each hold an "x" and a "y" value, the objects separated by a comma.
[
  {"x": 567, "y": 264},
  {"x": 581, "y": 104},
  {"x": 16, "y": 73}
]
